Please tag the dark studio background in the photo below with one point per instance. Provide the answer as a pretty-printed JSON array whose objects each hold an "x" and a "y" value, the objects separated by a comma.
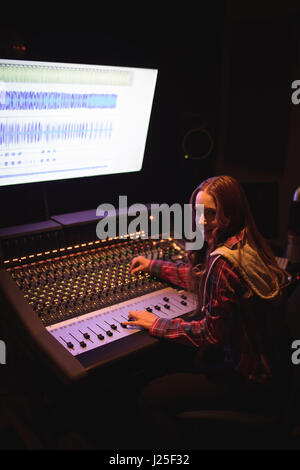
[
  {"x": 227, "y": 68},
  {"x": 224, "y": 66},
  {"x": 187, "y": 54}
]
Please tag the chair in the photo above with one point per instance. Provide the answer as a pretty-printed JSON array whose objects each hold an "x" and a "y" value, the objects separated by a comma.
[{"x": 236, "y": 429}]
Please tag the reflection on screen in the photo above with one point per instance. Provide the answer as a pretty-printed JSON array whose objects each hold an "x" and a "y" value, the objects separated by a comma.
[{"x": 61, "y": 121}]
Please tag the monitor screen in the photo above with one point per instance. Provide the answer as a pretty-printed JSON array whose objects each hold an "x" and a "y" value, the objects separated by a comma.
[{"x": 61, "y": 121}]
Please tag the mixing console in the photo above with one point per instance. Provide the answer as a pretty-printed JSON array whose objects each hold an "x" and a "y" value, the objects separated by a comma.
[
  {"x": 105, "y": 326},
  {"x": 73, "y": 301},
  {"x": 67, "y": 286}
]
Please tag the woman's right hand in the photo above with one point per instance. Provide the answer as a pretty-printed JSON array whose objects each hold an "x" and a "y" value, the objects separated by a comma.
[{"x": 140, "y": 263}]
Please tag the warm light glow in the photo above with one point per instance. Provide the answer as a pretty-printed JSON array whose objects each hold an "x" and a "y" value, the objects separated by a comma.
[{"x": 19, "y": 48}]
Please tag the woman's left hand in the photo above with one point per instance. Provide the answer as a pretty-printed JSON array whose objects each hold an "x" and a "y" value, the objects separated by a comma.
[{"x": 141, "y": 318}]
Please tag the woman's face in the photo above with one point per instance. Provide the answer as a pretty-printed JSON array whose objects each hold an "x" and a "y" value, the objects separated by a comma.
[{"x": 209, "y": 217}]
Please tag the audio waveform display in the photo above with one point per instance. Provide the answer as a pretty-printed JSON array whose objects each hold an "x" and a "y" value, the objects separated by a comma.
[
  {"x": 12, "y": 133},
  {"x": 62, "y": 120},
  {"x": 59, "y": 73},
  {"x": 25, "y": 100}
]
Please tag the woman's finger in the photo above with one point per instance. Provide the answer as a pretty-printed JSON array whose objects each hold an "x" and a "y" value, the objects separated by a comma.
[
  {"x": 138, "y": 268},
  {"x": 129, "y": 323},
  {"x": 135, "y": 265},
  {"x": 132, "y": 315}
]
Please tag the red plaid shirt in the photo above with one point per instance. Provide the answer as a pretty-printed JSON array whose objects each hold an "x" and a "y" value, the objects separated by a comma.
[{"x": 228, "y": 320}]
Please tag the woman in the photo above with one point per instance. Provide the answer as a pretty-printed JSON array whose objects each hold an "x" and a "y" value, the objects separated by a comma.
[{"x": 236, "y": 328}]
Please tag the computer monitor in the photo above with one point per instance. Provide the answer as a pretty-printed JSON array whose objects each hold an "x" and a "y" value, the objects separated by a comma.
[{"x": 61, "y": 120}]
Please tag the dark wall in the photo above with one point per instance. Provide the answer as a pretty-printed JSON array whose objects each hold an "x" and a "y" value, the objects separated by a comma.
[
  {"x": 186, "y": 48},
  {"x": 226, "y": 66},
  {"x": 259, "y": 128}
]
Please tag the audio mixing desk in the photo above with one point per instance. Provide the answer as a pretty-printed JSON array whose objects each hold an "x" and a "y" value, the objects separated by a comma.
[{"x": 71, "y": 301}]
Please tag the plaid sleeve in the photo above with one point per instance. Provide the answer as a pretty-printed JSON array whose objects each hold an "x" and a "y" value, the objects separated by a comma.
[
  {"x": 173, "y": 329},
  {"x": 216, "y": 325},
  {"x": 178, "y": 274}
]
